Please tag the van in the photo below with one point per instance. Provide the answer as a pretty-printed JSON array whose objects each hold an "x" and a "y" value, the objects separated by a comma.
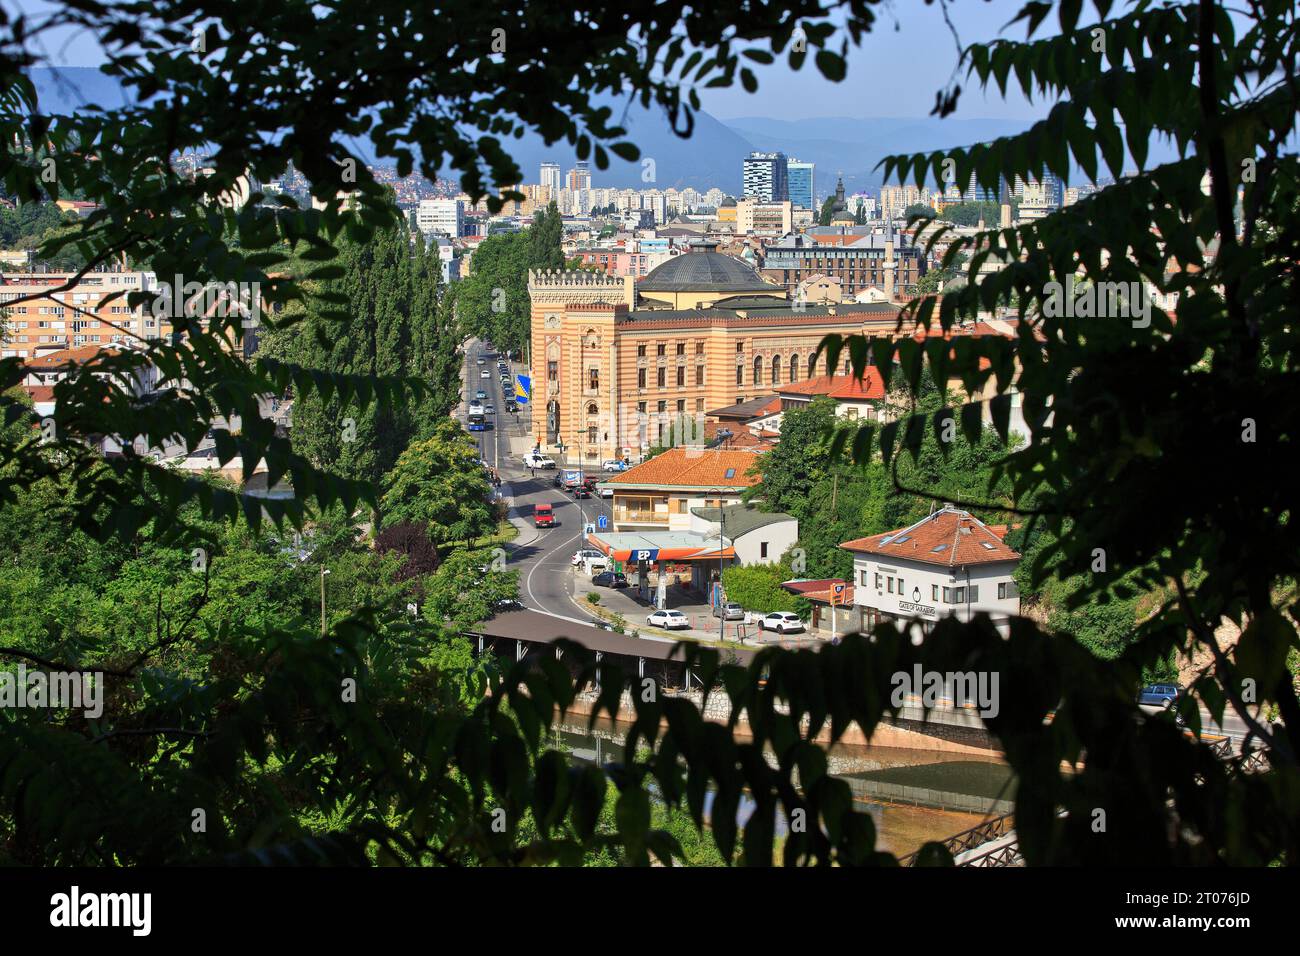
[{"x": 543, "y": 516}]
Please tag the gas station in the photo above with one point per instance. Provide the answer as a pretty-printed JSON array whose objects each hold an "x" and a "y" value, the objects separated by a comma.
[{"x": 661, "y": 549}]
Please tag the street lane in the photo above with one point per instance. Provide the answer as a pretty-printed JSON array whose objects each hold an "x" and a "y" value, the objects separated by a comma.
[{"x": 540, "y": 555}]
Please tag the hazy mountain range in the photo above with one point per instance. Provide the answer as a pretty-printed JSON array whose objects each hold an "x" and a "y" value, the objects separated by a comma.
[{"x": 711, "y": 157}]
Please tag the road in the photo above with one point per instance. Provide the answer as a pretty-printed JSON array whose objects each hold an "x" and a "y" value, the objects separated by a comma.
[{"x": 540, "y": 555}]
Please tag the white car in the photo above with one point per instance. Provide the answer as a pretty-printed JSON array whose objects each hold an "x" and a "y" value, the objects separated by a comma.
[
  {"x": 783, "y": 622},
  {"x": 585, "y": 554},
  {"x": 668, "y": 620},
  {"x": 538, "y": 461},
  {"x": 614, "y": 464},
  {"x": 485, "y": 374}
]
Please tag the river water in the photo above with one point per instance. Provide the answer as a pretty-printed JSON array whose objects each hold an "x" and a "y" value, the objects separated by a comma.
[{"x": 913, "y": 795}]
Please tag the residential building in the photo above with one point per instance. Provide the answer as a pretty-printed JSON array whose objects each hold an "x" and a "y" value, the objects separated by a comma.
[
  {"x": 764, "y": 219},
  {"x": 550, "y": 177},
  {"x": 947, "y": 564},
  {"x": 854, "y": 398},
  {"x": 661, "y": 492},
  {"x": 77, "y": 316}
]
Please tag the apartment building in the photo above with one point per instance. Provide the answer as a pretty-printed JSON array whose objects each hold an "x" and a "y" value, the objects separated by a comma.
[{"x": 57, "y": 318}]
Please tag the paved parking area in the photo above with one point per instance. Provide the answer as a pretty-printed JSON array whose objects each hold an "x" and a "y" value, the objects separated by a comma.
[{"x": 628, "y": 603}]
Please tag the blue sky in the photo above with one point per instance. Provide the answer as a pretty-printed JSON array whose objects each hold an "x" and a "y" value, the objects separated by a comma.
[{"x": 894, "y": 73}]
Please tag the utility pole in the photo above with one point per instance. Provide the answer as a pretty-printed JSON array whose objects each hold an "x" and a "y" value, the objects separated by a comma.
[{"x": 323, "y": 629}]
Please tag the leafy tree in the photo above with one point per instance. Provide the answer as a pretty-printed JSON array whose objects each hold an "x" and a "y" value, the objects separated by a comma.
[
  {"x": 402, "y": 778},
  {"x": 437, "y": 484},
  {"x": 827, "y": 210}
]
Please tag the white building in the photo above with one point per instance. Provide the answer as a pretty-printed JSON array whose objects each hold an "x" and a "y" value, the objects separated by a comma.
[
  {"x": 948, "y": 564},
  {"x": 440, "y": 216}
]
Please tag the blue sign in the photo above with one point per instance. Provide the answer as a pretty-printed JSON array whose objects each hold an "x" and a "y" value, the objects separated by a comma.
[
  {"x": 602, "y": 522},
  {"x": 648, "y": 554},
  {"x": 522, "y": 389}
]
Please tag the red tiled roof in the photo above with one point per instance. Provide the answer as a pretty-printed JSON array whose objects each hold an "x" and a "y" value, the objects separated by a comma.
[
  {"x": 843, "y": 388},
  {"x": 39, "y": 393},
  {"x": 959, "y": 537},
  {"x": 66, "y": 357},
  {"x": 692, "y": 468}
]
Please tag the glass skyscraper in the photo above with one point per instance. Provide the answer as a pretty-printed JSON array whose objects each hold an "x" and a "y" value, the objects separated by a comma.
[{"x": 800, "y": 179}]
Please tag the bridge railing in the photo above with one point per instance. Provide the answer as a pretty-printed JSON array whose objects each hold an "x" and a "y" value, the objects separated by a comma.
[{"x": 978, "y": 835}]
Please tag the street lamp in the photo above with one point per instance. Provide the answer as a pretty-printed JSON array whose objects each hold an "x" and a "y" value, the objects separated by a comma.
[
  {"x": 722, "y": 604},
  {"x": 323, "y": 571}
]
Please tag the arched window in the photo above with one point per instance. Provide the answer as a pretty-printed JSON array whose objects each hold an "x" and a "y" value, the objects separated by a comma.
[
  {"x": 591, "y": 435},
  {"x": 592, "y": 409},
  {"x": 812, "y": 365},
  {"x": 776, "y": 370},
  {"x": 794, "y": 368},
  {"x": 758, "y": 370}
]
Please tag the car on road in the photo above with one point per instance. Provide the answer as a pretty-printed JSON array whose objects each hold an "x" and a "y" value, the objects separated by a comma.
[
  {"x": 614, "y": 464},
  {"x": 668, "y": 620},
  {"x": 584, "y": 554},
  {"x": 581, "y": 491},
  {"x": 511, "y": 407},
  {"x": 1160, "y": 695},
  {"x": 730, "y": 612},
  {"x": 544, "y": 516},
  {"x": 533, "y": 460},
  {"x": 783, "y": 622},
  {"x": 480, "y": 395},
  {"x": 489, "y": 409},
  {"x": 485, "y": 374},
  {"x": 611, "y": 579}
]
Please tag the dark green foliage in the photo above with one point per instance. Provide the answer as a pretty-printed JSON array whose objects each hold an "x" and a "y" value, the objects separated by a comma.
[{"x": 249, "y": 715}]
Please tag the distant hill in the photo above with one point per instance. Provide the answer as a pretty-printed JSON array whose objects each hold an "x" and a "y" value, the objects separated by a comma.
[
  {"x": 711, "y": 157},
  {"x": 855, "y": 146}
]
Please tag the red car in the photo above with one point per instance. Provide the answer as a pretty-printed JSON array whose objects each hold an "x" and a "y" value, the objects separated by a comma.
[{"x": 544, "y": 516}]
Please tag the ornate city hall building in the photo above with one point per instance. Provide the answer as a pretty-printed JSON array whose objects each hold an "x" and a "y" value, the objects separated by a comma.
[{"x": 618, "y": 364}]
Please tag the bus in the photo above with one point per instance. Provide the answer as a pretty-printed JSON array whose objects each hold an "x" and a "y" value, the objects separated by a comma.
[{"x": 476, "y": 422}]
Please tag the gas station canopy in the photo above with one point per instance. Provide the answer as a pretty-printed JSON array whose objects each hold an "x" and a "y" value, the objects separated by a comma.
[{"x": 637, "y": 546}]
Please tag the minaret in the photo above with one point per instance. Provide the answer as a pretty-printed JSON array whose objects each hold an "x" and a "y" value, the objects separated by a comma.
[{"x": 1005, "y": 219}]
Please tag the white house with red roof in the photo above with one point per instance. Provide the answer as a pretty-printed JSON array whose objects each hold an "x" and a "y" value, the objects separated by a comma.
[{"x": 947, "y": 564}]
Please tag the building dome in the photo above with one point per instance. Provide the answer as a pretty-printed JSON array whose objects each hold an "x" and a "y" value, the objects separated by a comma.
[{"x": 703, "y": 270}]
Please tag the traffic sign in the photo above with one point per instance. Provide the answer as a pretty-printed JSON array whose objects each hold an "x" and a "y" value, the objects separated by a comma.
[{"x": 602, "y": 522}]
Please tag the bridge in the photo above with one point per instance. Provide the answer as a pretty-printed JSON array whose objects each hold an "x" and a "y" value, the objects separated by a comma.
[{"x": 993, "y": 843}]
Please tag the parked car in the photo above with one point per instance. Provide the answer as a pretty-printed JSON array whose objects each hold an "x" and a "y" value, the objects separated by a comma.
[
  {"x": 730, "y": 612},
  {"x": 782, "y": 622},
  {"x": 582, "y": 554},
  {"x": 612, "y": 579},
  {"x": 544, "y": 516},
  {"x": 1160, "y": 695},
  {"x": 534, "y": 460},
  {"x": 614, "y": 464},
  {"x": 668, "y": 620},
  {"x": 511, "y": 407}
]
